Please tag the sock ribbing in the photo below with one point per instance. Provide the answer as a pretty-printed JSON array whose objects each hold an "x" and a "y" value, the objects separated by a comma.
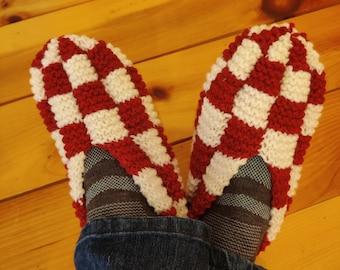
[
  {"x": 109, "y": 190},
  {"x": 239, "y": 217}
]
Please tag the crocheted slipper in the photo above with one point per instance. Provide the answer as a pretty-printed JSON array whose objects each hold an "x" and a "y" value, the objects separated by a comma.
[
  {"x": 262, "y": 98},
  {"x": 89, "y": 94}
]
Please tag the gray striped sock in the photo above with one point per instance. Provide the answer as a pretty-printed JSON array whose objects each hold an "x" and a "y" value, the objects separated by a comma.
[
  {"x": 239, "y": 217},
  {"x": 109, "y": 190}
]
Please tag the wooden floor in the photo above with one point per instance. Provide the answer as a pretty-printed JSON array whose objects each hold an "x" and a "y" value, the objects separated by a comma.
[{"x": 173, "y": 44}]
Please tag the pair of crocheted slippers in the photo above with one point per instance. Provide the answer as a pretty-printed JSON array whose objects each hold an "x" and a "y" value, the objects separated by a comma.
[{"x": 263, "y": 97}]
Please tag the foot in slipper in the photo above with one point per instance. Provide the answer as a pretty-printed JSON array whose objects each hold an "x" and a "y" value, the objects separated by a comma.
[
  {"x": 261, "y": 103},
  {"x": 102, "y": 119}
]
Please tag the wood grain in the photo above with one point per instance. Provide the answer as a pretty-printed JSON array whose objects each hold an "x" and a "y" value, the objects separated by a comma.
[
  {"x": 40, "y": 229},
  {"x": 309, "y": 239},
  {"x": 116, "y": 23},
  {"x": 16, "y": 10}
]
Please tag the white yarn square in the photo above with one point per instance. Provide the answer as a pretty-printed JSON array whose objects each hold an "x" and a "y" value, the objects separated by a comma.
[
  {"x": 119, "y": 86},
  {"x": 244, "y": 59},
  {"x": 83, "y": 42},
  {"x": 311, "y": 119},
  {"x": 105, "y": 126},
  {"x": 75, "y": 168},
  {"x": 181, "y": 208},
  {"x": 192, "y": 185},
  {"x": 150, "y": 110},
  {"x": 312, "y": 55},
  {"x": 252, "y": 106},
  {"x": 257, "y": 29},
  {"x": 58, "y": 138},
  {"x": 219, "y": 172},
  {"x": 80, "y": 70},
  {"x": 295, "y": 85},
  {"x": 51, "y": 55},
  {"x": 65, "y": 109},
  {"x": 278, "y": 148},
  {"x": 151, "y": 186},
  {"x": 279, "y": 50},
  {"x": 37, "y": 84},
  {"x": 121, "y": 56},
  {"x": 215, "y": 69},
  {"x": 151, "y": 144},
  {"x": 295, "y": 175},
  {"x": 211, "y": 123},
  {"x": 277, "y": 218}
]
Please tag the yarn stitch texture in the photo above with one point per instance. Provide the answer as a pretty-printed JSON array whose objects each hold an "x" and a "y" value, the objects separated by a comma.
[
  {"x": 89, "y": 94},
  {"x": 263, "y": 97}
]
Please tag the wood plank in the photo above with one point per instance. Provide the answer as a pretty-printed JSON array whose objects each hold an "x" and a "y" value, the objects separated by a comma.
[
  {"x": 39, "y": 231},
  {"x": 16, "y": 10},
  {"x": 180, "y": 24},
  {"x": 180, "y": 75},
  {"x": 22, "y": 143},
  {"x": 309, "y": 239}
]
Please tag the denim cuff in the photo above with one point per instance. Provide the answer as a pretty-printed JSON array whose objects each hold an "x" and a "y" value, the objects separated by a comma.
[
  {"x": 152, "y": 243},
  {"x": 143, "y": 243},
  {"x": 189, "y": 227}
]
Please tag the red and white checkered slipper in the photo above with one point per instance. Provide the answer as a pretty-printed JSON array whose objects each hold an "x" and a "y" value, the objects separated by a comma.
[
  {"x": 89, "y": 94},
  {"x": 262, "y": 98}
]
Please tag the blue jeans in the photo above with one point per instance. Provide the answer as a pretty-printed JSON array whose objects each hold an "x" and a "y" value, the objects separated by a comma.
[{"x": 152, "y": 243}]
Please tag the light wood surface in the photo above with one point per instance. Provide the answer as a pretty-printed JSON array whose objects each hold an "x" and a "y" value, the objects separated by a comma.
[{"x": 174, "y": 44}]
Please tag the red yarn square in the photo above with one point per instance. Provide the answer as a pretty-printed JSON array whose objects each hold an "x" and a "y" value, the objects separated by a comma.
[
  {"x": 223, "y": 89},
  {"x": 280, "y": 186},
  {"x": 170, "y": 181},
  {"x": 92, "y": 97},
  {"x": 165, "y": 141},
  {"x": 134, "y": 116},
  {"x": 39, "y": 56},
  {"x": 200, "y": 158},
  {"x": 103, "y": 60},
  {"x": 286, "y": 116},
  {"x": 68, "y": 48},
  {"x": 47, "y": 115},
  {"x": 267, "y": 37},
  {"x": 136, "y": 78},
  {"x": 228, "y": 53},
  {"x": 266, "y": 76},
  {"x": 317, "y": 88},
  {"x": 298, "y": 56},
  {"x": 131, "y": 157},
  {"x": 301, "y": 148},
  {"x": 75, "y": 138},
  {"x": 56, "y": 80},
  {"x": 240, "y": 140}
]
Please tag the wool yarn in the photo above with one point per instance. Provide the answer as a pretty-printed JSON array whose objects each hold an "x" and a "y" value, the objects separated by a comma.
[
  {"x": 89, "y": 94},
  {"x": 263, "y": 97}
]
